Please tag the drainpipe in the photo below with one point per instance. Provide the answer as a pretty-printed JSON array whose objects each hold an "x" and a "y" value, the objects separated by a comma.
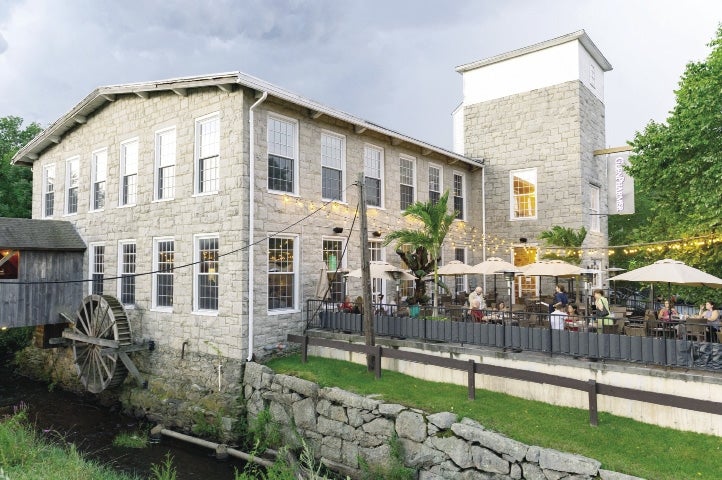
[
  {"x": 251, "y": 217},
  {"x": 483, "y": 220}
]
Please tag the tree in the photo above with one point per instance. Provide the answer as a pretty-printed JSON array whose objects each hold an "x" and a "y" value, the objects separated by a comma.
[
  {"x": 15, "y": 182},
  {"x": 564, "y": 237},
  {"x": 436, "y": 221}
]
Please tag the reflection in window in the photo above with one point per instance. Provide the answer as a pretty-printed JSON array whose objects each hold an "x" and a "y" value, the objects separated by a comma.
[
  {"x": 9, "y": 264},
  {"x": 332, "y": 256},
  {"x": 281, "y": 273},
  {"x": 207, "y": 274},
  {"x": 523, "y": 187}
]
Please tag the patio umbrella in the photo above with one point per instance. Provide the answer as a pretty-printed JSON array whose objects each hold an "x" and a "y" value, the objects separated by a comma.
[
  {"x": 455, "y": 267},
  {"x": 551, "y": 268},
  {"x": 494, "y": 265},
  {"x": 383, "y": 270},
  {"x": 322, "y": 287},
  {"x": 671, "y": 271}
]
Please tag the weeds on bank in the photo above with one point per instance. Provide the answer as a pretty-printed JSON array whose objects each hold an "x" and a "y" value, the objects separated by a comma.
[
  {"x": 394, "y": 470},
  {"x": 131, "y": 440},
  {"x": 164, "y": 471}
]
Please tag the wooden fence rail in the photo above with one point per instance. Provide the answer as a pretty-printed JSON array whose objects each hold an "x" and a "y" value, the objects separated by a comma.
[{"x": 591, "y": 387}]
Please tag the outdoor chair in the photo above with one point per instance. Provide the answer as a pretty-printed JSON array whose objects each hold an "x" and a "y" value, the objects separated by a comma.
[
  {"x": 653, "y": 328},
  {"x": 696, "y": 332}
]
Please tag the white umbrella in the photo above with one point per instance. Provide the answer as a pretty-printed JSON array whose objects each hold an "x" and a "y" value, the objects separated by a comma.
[
  {"x": 494, "y": 265},
  {"x": 551, "y": 268},
  {"x": 671, "y": 271},
  {"x": 383, "y": 270},
  {"x": 322, "y": 287},
  {"x": 455, "y": 267}
]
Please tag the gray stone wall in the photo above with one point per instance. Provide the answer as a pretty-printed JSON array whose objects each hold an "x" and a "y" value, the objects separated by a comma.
[{"x": 341, "y": 427}]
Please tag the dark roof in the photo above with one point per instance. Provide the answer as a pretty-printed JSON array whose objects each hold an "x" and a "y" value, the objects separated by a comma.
[{"x": 31, "y": 234}]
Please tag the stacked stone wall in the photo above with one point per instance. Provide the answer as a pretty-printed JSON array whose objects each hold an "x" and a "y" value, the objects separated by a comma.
[{"x": 342, "y": 427}]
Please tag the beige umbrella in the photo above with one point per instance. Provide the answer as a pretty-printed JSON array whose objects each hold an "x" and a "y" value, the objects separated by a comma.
[
  {"x": 551, "y": 268},
  {"x": 494, "y": 265},
  {"x": 455, "y": 267},
  {"x": 322, "y": 287},
  {"x": 383, "y": 270},
  {"x": 671, "y": 271}
]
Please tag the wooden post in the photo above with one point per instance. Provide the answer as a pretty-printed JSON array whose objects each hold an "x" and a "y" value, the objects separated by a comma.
[
  {"x": 304, "y": 349},
  {"x": 472, "y": 379},
  {"x": 368, "y": 309},
  {"x": 592, "y": 389}
]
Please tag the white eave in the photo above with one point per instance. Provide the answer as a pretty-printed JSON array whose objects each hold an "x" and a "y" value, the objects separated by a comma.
[
  {"x": 101, "y": 96},
  {"x": 580, "y": 35}
]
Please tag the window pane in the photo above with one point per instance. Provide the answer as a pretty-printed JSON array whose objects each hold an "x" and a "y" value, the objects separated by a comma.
[
  {"x": 331, "y": 151},
  {"x": 459, "y": 196},
  {"x": 281, "y": 274},
  {"x": 280, "y": 174},
  {"x": 166, "y": 182},
  {"x": 97, "y": 269},
  {"x": 524, "y": 192},
  {"x": 207, "y": 274},
  {"x": 49, "y": 191},
  {"x": 72, "y": 189},
  {"x": 332, "y": 256},
  {"x": 208, "y": 174},
  {"x": 165, "y": 164},
  {"x": 127, "y": 278},
  {"x": 407, "y": 178},
  {"x": 129, "y": 189},
  {"x": 164, "y": 273},
  {"x": 208, "y": 150},
  {"x": 281, "y": 138},
  {"x": 331, "y": 183},
  {"x": 129, "y": 170},
  {"x": 373, "y": 192}
]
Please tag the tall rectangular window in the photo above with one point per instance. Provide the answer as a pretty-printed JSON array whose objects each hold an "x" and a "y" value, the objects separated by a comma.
[
  {"x": 163, "y": 264},
  {"x": 594, "y": 221},
  {"x": 435, "y": 182},
  {"x": 165, "y": 158},
  {"x": 333, "y": 153},
  {"x": 126, "y": 272},
  {"x": 282, "y": 268},
  {"x": 377, "y": 255},
  {"x": 72, "y": 182},
  {"x": 407, "y": 179},
  {"x": 282, "y": 154},
  {"x": 460, "y": 280},
  {"x": 98, "y": 173},
  {"x": 97, "y": 268},
  {"x": 206, "y": 294},
  {"x": 208, "y": 140},
  {"x": 333, "y": 257},
  {"x": 523, "y": 194},
  {"x": 406, "y": 286},
  {"x": 373, "y": 170},
  {"x": 459, "y": 194},
  {"x": 48, "y": 199},
  {"x": 128, "y": 172}
]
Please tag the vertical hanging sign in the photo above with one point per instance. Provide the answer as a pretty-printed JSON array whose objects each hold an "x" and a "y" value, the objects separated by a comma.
[{"x": 621, "y": 185}]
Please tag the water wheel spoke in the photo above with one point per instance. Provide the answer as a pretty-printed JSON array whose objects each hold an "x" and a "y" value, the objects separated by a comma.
[
  {"x": 87, "y": 317},
  {"x": 102, "y": 334},
  {"x": 103, "y": 319},
  {"x": 82, "y": 324},
  {"x": 82, "y": 352},
  {"x": 101, "y": 360}
]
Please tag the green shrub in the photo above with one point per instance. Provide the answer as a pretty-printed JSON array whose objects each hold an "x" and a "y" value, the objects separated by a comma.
[
  {"x": 131, "y": 440},
  {"x": 15, "y": 339}
]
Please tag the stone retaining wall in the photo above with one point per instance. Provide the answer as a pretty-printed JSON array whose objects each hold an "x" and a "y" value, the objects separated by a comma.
[{"x": 341, "y": 427}]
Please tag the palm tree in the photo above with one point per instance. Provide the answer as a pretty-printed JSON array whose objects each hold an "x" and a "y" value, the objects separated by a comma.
[
  {"x": 565, "y": 237},
  {"x": 436, "y": 222}
]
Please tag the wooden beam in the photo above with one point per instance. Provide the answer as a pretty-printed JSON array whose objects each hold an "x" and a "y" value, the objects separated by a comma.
[
  {"x": 81, "y": 119},
  {"x": 315, "y": 115},
  {"x": 131, "y": 368},
  {"x": 144, "y": 95},
  {"x": 108, "y": 96},
  {"x": 180, "y": 91},
  {"x": 425, "y": 152},
  {"x": 359, "y": 129},
  {"x": 7, "y": 257},
  {"x": 225, "y": 87},
  {"x": 395, "y": 141},
  {"x": 55, "y": 139},
  {"x": 79, "y": 337},
  {"x": 33, "y": 156}
]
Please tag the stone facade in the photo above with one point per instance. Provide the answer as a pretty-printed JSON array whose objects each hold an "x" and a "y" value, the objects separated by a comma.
[{"x": 342, "y": 427}]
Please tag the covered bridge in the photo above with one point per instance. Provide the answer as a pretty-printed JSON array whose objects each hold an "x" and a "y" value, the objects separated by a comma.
[{"x": 41, "y": 271}]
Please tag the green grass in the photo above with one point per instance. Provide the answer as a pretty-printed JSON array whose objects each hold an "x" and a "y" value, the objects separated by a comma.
[
  {"x": 621, "y": 444},
  {"x": 24, "y": 455},
  {"x": 131, "y": 440}
]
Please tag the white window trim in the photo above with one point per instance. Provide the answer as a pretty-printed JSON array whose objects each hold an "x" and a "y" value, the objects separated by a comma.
[
  {"x": 296, "y": 155},
  {"x": 343, "y": 244},
  {"x": 196, "y": 239},
  {"x": 197, "y": 155},
  {"x": 119, "y": 282},
  {"x": 384, "y": 282},
  {"x": 511, "y": 194},
  {"x": 121, "y": 168},
  {"x": 441, "y": 178},
  {"x": 414, "y": 181},
  {"x": 154, "y": 285},
  {"x": 595, "y": 222},
  {"x": 382, "y": 168},
  {"x": 44, "y": 190},
  {"x": 156, "y": 164},
  {"x": 66, "y": 190},
  {"x": 463, "y": 194},
  {"x": 343, "y": 164},
  {"x": 296, "y": 272},
  {"x": 93, "y": 178},
  {"x": 466, "y": 260},
  {"x": 91, "y": 264}
]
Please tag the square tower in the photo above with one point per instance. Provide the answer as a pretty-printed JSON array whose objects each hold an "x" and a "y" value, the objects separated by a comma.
[{"x": 535, "y": 116}]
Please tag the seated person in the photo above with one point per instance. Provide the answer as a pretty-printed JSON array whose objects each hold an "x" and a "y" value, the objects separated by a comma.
[
  {"x": 665, "y": 313},
  {"x": 500, "y": 312},
  {"x": 476, "y": 313},
  {"x": 358, "y": 305},
  {"x": 708, "y": 312},
  {"x": 347, "y": 305},
  {"x": 558, "y": 317}
]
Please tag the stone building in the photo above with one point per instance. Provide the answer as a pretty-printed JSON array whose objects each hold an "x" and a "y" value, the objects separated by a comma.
[
  {"x": 170, "y": 182},
  {"x": 535, "y": 116}
]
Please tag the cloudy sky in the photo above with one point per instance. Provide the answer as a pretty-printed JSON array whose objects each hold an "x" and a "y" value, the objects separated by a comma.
[{"x": 390, "y": 62}]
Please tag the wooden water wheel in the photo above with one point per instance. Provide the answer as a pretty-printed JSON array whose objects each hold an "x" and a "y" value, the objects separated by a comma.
[{"x": 101, "y": 336}]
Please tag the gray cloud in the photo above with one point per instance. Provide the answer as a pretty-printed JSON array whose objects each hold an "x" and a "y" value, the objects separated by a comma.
[{"x": 3, "y": 44}]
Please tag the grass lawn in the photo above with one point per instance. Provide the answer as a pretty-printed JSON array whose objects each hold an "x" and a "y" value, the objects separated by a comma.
[{"x": 621, "y": 444}]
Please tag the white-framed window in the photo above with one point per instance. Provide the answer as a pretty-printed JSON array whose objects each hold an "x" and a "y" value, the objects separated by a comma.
[
  {"x": 378, "y": 285},
  {"x": 99, "y": 174},
  {"x": 205, "y": 287},
  {"x": 523, "y": 187},
  {"x": 594, "y": 220},
  {"x": 333, "y": 166},
  {"x": 126, "y": 271},
  {"x": 406, "y": 287},
  {"x": 435, "y": 182},
  {"x": 165, "y": 158},
  {"x": 163, "y": 265},
  {"x": 407, "y": 180},
  {"x": 282, "y": 154},
  {"x": 460, "y": 195},
  {"x": 374, "y": 170},
  {"x": 282, "y": 273},
  {"x": 72, "y": 184},
  {"x": 48, "y": 195},
  {"x": 128, "y": 172},
  {"x": 460, "y": 281},
  {"x": 97, "y": 268},
  {"x": 207, "y": 153},
  {"x": 333, "y": 257}
]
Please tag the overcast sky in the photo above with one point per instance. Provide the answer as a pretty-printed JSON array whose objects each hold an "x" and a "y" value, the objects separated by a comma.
[{"x": 390, "y": 62}]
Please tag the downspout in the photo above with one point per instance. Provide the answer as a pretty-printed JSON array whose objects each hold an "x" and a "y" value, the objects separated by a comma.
[
  {"x": 251, "y": 218},
  {"x": 483, "y": 220}
]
